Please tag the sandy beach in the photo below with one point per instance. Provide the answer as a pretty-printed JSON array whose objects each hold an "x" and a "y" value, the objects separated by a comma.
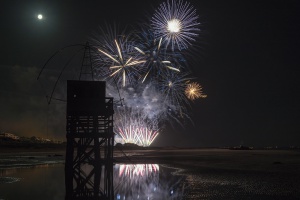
[
  {"x": 248, "y": 160},
  {"x": 230, "y": 174},
  {"x": 203, "y": 173}
]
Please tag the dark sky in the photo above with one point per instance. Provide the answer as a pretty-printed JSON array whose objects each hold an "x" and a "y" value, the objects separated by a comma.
[{"x": 247, "y": 60}]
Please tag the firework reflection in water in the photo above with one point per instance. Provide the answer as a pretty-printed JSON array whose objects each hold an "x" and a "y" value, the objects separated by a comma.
[{"x": 146, "y": 181}]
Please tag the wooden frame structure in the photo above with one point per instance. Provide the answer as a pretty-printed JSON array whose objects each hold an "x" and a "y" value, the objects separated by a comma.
[{"x": 90, "y": 141}]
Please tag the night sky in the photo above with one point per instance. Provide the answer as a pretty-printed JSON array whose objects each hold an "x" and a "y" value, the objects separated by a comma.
[{"x": 246, "y": 58}]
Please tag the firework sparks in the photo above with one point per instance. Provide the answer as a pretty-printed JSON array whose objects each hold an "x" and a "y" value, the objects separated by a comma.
[
  {"x": 121, "y": 66},
  {"x": 134, "y": 127},
  {"x": 152, "y": 72},
  {"x": 138, "y": 135},
  {"x": 173, "y": 87},
  {"x": 116, "y": 59},
  {"x": 176, "y": 22},
  {"x": 194, "y": 91},
  {"x": 157, "y": 57}
]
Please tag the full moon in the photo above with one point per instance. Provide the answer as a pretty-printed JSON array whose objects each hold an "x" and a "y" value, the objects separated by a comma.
[{"x": 40, "y": 16}]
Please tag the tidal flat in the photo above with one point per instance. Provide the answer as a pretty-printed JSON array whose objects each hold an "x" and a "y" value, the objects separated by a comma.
[
  {"x": 188, "y": 174},
  {"x": 232, "y": 174}
]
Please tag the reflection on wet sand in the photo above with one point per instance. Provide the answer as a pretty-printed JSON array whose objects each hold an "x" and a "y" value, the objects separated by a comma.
[
  {"x": 7, "y": 174},
  {"x": 35, "y": 182},
  {"x": 180, "y": 174},
  {"x": 146, "y": 181}
]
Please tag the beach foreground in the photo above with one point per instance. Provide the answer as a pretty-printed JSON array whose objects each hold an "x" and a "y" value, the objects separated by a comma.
[
  {"x": 231, "y": 174},
  {"x": 198, "y": 173}
]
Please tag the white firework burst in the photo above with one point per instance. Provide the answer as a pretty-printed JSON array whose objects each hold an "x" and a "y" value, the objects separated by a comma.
[
  {"x": 134, "y": 127},
  {"x": 117, "y": 59},
  {"x": 157, "y": 57},
  {"x": 176, "y": 22}
]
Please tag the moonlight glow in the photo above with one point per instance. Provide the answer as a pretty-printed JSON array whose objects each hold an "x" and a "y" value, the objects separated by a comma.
[{"x": 40, "y": 16}]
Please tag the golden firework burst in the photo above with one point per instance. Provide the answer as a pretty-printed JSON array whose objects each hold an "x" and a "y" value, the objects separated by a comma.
[{"x": 194, "y": 91}]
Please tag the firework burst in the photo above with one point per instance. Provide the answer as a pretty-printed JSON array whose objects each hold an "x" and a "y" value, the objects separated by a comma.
[
  {"x": 157, "y": 58},
  {"x": 137, "y": 134},
  {"x": 117, "y": 58},
  {"x": 152, "y": 72},
  {"x": 194, "y": 91},
  {"x": 176, "y": 22},
  {"x": 173, "y": 87},
  {"x": 134, "y": 127}
]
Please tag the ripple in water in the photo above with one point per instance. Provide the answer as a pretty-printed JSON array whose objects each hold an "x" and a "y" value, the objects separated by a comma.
[{"x": 8, "y": 180}]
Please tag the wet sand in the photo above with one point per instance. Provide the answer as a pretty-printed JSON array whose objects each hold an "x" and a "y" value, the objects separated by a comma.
[
  {"x": 206, "y": 173},
  {"x": 249, "y": 160},
  {"x": 230, "y": 174}
]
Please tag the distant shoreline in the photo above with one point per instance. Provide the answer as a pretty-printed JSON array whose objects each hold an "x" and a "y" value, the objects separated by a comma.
[
  {"x": 6, "y": 149},
  {"x": 196, "y": 157}
]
